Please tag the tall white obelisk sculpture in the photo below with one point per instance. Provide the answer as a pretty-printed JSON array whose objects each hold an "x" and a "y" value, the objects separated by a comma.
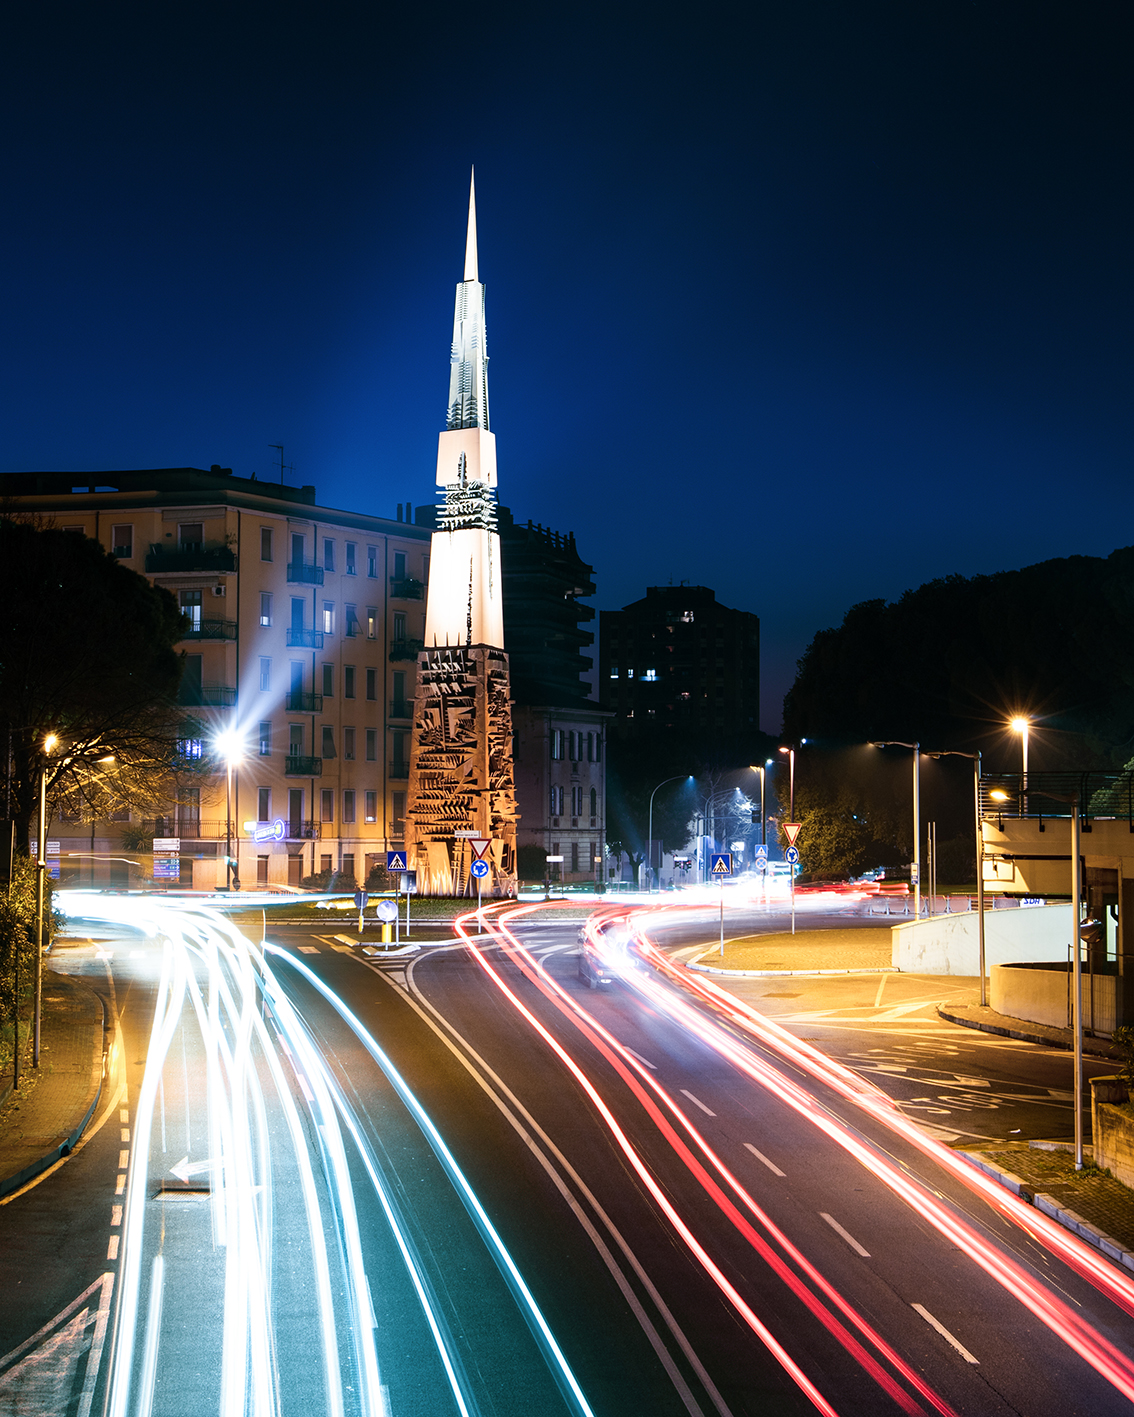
[{"x": 461, "y": 784}]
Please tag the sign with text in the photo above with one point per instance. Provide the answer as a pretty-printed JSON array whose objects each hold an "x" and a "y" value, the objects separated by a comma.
[
  {"x": 167, "y": 843},
  {"x": 167, "y": 868}
]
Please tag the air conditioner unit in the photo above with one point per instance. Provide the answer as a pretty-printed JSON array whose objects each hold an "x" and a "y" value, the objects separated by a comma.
[{"x": 218, "y": 590}]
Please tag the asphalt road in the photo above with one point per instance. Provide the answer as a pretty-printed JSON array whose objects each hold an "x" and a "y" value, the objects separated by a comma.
[{"x": 611, "y": 1216}]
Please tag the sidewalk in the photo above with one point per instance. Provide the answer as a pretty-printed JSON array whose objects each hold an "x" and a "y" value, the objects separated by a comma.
[
  {"x": 984, "y": 1018},
  {"x": 45, "y": 1118},
  {"x": 854, "y": 949}
]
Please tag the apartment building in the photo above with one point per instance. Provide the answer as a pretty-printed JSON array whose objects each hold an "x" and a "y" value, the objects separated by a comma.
[{"x": 304, "y": 625}]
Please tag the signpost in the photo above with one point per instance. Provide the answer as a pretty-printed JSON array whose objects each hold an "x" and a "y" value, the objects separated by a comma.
[
  {"x": 791, "y": 856},
  {"x": 479, "y": 869},
  {"x": 387, "y": 912},
  {"x": 167, "y": 858},
  {"x": 361, "y": 899},
  {"x": 720, "y": 868},
  {"x": 397, "y": 863}
]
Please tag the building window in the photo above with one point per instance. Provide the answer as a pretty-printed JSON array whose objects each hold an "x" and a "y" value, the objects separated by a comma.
[
  {"x": 328, "y": 617},
  {"x": 122, "y": 542},
  {"x": 298, "y": 611},
  {"x": 557, "y": 745},
  {"x": 614, "y": 671},
  {"x": 190, "y": 601},
  {"x": 372, "y": 684},
  {"x": 348, "y": 864},
  {"x": 261, "y": 870},
  {"x": 265, "y": 543},
  {"x": 594, "y": 853},
  {"x": 351, "y": 568},
  {"x": 328, "y": 554},
  {"x": 348, "y": 810},
  {"x": 575, "y": 857},
  {"x": 328, "y": 741},
  {"x": 348, "y": 681},
  {"x": 371, "y": 622},
  {"x": 371, "y": 745},
  {"x": 372, "y": 561},
  {"x": 687, "y": 617},
  {"x": 576, "y": 801},
  {"x": 265, "y": 739},
  {"x": 351, "y": 614},
  {"x": 265, "y": 607},
  {"x": 328, "y": 681},
  {"x": 372, "y": 806},
  {"x": 629, "y": 674},
  {"x": 590, "y": 747},
  {"x": 325, "y": 862},
  {"x": 294, "y": 814},
  {"x": 399, "y": 624},
  {"x": 398, "y": 814},
  {"x": 263, "y": 804},
  {"x": 265, "y": 674},
  {"x": 399, "y": 565},
  {"x": 348, "y": 745},
  {"x": 328, "y": 804},
  {"x": 557, "y": 801},
  {"x": 650, "y": 675},
  {"x": 295, "y": 740},
  {"x": 594, "y": 805},
  {"x": 425, "y": 569},
  {"x": 598, "y": 747},
  {"x": 191, "y": 536}
]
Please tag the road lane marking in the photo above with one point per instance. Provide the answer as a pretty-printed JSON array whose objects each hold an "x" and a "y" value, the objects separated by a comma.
[
  {"x": 308, "y": 949},
  {"x": 124, "y": 1115},
  {"x": 112, "y": 1248},
  {"x": 945, "y": 1334},
  {"x": 116, "y": 1215},
  {"x": 125, "y": 1133},
  {"x": 123, "y": 1160},
  {"x": 644, "y": 1061},
  {"x": 881, "y": 986},
  {"x": 696, "y": 1101},
  {"x": 121, "y": 1186},
  {"x": 759, "y": 1155},
  {"x": 847, "y": 1236}
]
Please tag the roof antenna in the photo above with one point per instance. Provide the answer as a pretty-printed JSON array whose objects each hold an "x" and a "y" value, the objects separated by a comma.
[{"x": 290, "y": 466}]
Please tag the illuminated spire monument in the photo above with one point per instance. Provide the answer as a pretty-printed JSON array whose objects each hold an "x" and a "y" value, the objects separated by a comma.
[{"x": 461, "y": 782}]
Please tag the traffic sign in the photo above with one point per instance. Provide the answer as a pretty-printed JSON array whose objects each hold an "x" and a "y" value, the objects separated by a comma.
[
  {"x": 480, "y": 845},
  {"x": 361, "y": 899},
  {"x": 791, "y": 855},
  {"x": 791, "y": 831},
  {"x": 479, "y": 868},
  {"x": 762, "y": 864},
  {"x": 761, "y": 853},
  {"x": 161, "y": 843},
  {"x": 720, "y": 864},
  {"x": 387, "y": 910},
  {"x": 396, "y": 861}
]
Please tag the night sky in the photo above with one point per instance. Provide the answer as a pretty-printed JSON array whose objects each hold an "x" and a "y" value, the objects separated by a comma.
[{"x": 807, "y": 302}]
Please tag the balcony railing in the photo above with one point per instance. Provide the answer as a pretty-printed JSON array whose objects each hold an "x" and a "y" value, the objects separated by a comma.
[
  {"x": 300, "y": 573},
  {"x": 211, "y": 629},
  {"x": 1102, "y": 795},
  {"x": 399, "y": 771},
  {"x": 207, "y": 696},
  {"x": 188, "y": 831},
  {"x": 159, "y": 561},
  {"x": 407, "y": 588},
  {"x": 406, "y": 649},
  {"x": 401, "y": 708},
  {"x": 303, "y": 767},
  {"x": 309, "y": 639},
  {"x": 304, "y": 831},
  {"x": 299, "y": 701}
]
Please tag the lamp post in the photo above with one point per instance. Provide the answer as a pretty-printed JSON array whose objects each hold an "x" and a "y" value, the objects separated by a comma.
[
  {"x": 955, "y": 753},
  {"x": 763, "y": 773},
  {"x": 897, "y": 743},
  {"x": 790, "y": 752},
  {"x": 229, "y": 744},
  {"x": 650, "y": 829},
  {"x": 40, "y": 872},
  {"x": 1021, "y": 725}
]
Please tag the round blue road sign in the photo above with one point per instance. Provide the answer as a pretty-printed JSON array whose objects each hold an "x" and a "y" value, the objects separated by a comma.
[
  {"x": 791, "y": 855},
  {"x": 480, "y": 869}
]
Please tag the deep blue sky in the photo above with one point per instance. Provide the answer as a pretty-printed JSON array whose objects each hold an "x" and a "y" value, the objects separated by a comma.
[{"x": 807, "y": 302}]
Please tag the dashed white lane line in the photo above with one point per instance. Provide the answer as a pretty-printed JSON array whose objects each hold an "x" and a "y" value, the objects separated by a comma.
[
  {"x": 121, "y": 1186},
  {"x": 644, "y": 1061},
  {"x": 112, "y": 1248},
  {"x": 308, "y": 949},
  {"x": 116, "y": 1215},
  {"x": 847, "y": 1236},
  {"x": 124, "y": 1115},
  {"x": 123, "y": 1160},
  {"x": 125, "y": 1133},
  {"x": 759, "y": 1155},
  {"x": 945, "y": 1334},
  {"x": 696, "y": 1101}
]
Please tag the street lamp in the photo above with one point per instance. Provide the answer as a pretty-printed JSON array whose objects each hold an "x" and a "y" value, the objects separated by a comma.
[
  {"x": 791, "y": 781},
  {"x": 40, "y": 872},
  {"x": 1021, "y": 725},
  {"x": 650, "y": 830},
  {"x": 763, "y": 772},
  {"x": 897, "y": 743},
  {"x": 956, "y": 753},
  {"x": 232, "y": 750}
]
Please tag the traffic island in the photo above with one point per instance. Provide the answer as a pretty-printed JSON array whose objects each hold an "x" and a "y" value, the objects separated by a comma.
[{"x": 865, "y": 949}]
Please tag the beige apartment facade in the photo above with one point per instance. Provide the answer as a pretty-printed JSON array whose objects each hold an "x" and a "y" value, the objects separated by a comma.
[{"x": 304, "y": 626}]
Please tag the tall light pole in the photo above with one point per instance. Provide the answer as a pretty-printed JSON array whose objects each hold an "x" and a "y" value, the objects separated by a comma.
[
  {"x": 956, "y": 753},
  {"x": 897, "y": 743},
  {"x": 1021, "y": 725},
  {"x": 40, "y": 872},
  {"x": 763, "y": 772},
  {"x": 229, "y": 744},
  {"x": 650, "y": 830}
]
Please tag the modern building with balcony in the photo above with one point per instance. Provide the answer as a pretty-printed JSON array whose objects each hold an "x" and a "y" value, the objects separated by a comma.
[{"x": 302, "y": 625}]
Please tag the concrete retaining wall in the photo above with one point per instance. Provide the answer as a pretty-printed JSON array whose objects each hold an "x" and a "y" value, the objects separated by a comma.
[
  {"x": 1042, "y": 994},
  {"x": 947, "y": 944},
  {"x": 1112, "y": 1128}
]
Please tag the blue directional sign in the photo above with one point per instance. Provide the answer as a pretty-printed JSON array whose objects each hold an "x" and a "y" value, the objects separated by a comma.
[
  {"x": 395, "y": 861},
  {"x": 791, "y": 855},
  {"x": 720, "y": 864},
  {"x": 479, "y": 869}
]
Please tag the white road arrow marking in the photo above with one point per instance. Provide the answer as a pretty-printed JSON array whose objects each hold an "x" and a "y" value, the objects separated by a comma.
[{"x": 186, "y": 1168}]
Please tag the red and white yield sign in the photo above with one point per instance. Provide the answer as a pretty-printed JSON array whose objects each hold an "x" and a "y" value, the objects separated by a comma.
[
  {"x": 791, "y": 831},
  {"x": 480, "y": 845}
]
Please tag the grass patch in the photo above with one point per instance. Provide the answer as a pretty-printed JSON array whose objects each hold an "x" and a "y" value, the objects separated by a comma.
[{"x": 864, "y": 948}]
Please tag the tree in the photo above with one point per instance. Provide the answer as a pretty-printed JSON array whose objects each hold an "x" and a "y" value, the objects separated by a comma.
[{"x": 87, "y": 665}]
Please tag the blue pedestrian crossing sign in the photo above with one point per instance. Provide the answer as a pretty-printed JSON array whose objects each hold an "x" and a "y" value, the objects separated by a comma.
[
  {"x": 791, "y": 855},
  {"x": 479, "y": 869},
  {"x": 720, "y": 864},
  {"x": 761, "y": 853},
  {"x": 395, "y": 861}
]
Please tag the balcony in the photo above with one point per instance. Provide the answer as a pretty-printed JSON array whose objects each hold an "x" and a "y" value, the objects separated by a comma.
[
  {"x": 300, "y": 573},
  {"x": 304, "y": 831},
  {"x": 407, "y": 588},
  {"x": 207, "y": 696},
  {"x": 159, "y": 561},
  {"x": 406, "y": 649},
  {"x": 211, "y": 629},
  {"x": 399, "y": 772},
  {"x": 195, "y": 830},
  {"x": 401, "y": 708},
  {"x": 307, "y": 639},
  {"x": 303, "y": 767},
  {"x": 300, "y": 702}
]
